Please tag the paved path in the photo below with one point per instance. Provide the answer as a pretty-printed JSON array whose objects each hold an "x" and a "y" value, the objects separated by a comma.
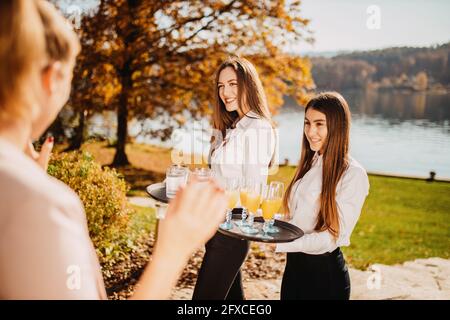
[
  {"x": 418, "y": 279},
  {"x": 142, "y": 201}
]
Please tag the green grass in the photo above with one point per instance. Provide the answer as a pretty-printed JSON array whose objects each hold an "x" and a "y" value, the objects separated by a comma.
[
  {"x": 142, "y": 222},
  {"x": 402, "y": 219},
  {"x": 137, "y": 193}
]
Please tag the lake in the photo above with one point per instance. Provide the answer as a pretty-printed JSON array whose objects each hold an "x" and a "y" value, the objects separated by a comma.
[
  {"x": 392, "y": 132},
  {"x": 395, "y": 133}
]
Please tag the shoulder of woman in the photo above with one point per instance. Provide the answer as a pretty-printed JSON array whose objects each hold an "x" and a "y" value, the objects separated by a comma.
[
  {"x": 355, "y": 173},
  {"x": 258, "y": 123},
  {"x": 355, "y": 168},
  {"x": 55, "y": 193},
  {"x": 46, "y": 199}
]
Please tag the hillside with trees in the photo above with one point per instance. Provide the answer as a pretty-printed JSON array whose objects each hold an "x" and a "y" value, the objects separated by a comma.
[{"x": 405, "y": 68}]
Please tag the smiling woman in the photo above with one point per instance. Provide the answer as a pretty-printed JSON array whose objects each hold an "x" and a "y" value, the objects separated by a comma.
[
  {"x": 325, "y": 199},
  {"x": 316, "y": 129},
  {"x": 244, "y": 130},
  {"x": 228, "y": 90}
]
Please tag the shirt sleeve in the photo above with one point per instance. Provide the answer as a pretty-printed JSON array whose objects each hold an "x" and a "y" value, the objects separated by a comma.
[
  {"x": 350, "y": 198},
  {"x": 259, "y": 146},
  {"x": 49, "y": 254}
]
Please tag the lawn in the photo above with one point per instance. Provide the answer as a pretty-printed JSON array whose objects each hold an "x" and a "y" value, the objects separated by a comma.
[{"x": 402, "y": 219}]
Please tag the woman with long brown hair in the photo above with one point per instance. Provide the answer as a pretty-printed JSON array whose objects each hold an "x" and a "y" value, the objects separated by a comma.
[
  {"x": 244, "y": 147},
  {"x": 324, "y": 199}
]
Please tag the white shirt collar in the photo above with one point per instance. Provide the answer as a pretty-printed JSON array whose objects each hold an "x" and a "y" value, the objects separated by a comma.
[
  {"x": 317, "y": 159},
  {"x": 246, "y": 119}
]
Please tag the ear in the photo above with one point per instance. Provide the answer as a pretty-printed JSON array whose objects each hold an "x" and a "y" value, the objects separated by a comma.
[{"x": 50, "y": 77}]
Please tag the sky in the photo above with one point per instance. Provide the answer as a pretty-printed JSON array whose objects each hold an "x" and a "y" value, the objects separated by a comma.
[
  {"x": 343, "y": 24},
  {"x": 348, "y": 25}
]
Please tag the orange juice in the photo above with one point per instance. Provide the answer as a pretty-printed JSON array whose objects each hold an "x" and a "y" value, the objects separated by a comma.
[
  {"x": 232, "y": 199},
  {"x": 243, "y": 195},
  {"x": 270, "y": 207},
  {"x": 253, "y": 201}
]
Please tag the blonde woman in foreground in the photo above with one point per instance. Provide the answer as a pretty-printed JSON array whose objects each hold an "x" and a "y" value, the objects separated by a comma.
[{"x": 43, "y": 229}]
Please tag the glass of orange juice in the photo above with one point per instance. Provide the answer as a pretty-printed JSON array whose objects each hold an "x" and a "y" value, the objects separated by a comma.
[
  {"x": 252, "y": 199},
  {"x": 271, "y": 204},
  {"x": 244, "y": 187},
  {"x": 231, "y": 187}
]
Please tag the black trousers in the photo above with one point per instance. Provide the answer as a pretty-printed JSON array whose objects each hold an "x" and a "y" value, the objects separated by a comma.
[
  {"x": 220, "y": 277},
  {"x": 315, "y": 277}
]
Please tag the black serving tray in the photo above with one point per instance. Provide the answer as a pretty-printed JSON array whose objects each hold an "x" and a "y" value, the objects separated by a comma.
[
  {"x": 158, "y": 192},
  {"x": 288, "y": 231}
]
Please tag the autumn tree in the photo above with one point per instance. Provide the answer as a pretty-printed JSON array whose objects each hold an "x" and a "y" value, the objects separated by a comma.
[{"x": 144, "y": 58}]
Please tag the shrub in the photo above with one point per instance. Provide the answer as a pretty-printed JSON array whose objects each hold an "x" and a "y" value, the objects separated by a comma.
[{"x": 103, "y": 193}]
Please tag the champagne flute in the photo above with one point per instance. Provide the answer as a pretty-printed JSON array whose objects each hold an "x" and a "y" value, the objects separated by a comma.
[
  {"x": 244, "y": 186},
  {"x": 253, "y": 201},
  {"x": 231, "y": 187},
  {"x": 271, "y": 204},
  {"x": 253, "y": 198}
]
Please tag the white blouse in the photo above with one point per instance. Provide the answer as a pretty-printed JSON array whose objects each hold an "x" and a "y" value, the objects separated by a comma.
[
  {"x": 351, "y": 191},
  {"x": 45, "y": 249},
  {"x": 246, "y": 150}
]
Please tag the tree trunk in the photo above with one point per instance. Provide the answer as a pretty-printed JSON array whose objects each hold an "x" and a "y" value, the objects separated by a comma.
[
  {"x": 120, "y": 158},
  {"x": 77, "y": 140},
  {"x": 129, "y": 34}
]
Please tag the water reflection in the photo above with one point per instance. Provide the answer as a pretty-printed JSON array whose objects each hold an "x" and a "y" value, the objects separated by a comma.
[{"x": 397, "y": 107}]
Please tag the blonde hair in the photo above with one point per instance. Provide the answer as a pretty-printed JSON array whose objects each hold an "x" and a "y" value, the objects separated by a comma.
[
  {"x": 22, "y": 56},
  {"x": 61, "y": 41}
]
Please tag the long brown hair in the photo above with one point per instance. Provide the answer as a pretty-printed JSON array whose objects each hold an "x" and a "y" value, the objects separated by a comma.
[
  {"x": 251, "y": 96},
  {"x": 335, "y": 157}
]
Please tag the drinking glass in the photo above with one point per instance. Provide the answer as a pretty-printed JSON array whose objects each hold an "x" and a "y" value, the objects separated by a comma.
[
  {"x": 252, "y": 198},
  {"x": 176, "y": 177},
  {"x": 271, "y": 204},
  {"x": 202, "y": 174},
  {"x": 231, "y": 186}
]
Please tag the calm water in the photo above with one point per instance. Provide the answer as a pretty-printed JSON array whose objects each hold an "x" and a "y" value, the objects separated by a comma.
[{"x": 397, "y": 133}]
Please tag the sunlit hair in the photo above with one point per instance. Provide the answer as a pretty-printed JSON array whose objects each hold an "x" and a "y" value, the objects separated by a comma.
[
  {"x": 251, "y": 96},
  {"x": 61, "y": 41},
  {"x": 22, "y": 57},
  {"x": 335, "y": 157}
]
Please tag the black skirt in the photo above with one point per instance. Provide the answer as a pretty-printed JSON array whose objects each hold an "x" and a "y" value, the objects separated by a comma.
[
  {"x": 315, "y": 277},
  {"x": 219, "y": 276}
]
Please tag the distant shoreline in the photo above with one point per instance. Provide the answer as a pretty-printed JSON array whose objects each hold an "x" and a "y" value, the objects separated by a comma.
[{"x": 404, "y": 90}]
